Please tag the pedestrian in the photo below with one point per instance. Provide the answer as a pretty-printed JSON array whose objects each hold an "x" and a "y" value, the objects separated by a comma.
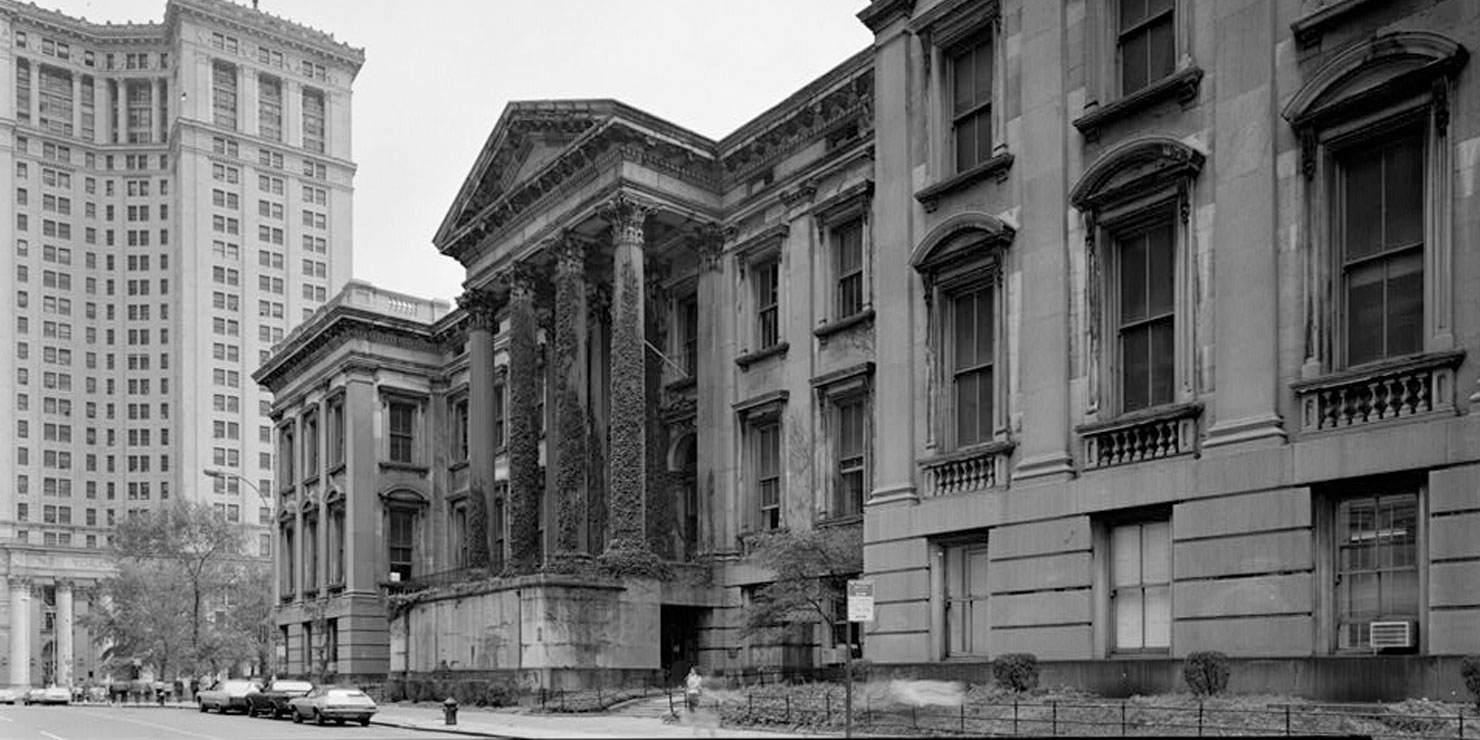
[{"x": 692, "y": 686}]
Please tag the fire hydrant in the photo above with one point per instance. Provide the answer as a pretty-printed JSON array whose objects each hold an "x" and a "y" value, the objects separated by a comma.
[{"x": 449, "y": 711}]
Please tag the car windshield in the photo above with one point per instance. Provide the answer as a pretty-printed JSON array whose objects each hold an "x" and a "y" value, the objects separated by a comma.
[{"x": 292, "y": 686}]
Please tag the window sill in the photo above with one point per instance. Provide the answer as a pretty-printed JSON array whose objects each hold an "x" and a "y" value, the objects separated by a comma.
[
  {"x": 1308, "y": 30},
  {"x": 996, "y": 166},
  {"x": 681, "y": 385},
  {"x": 309, "y": 593},
  {"x": 336, "y": 588},
  {"x": 844, "y": 520},
  {"x": 335, "y": 469},
  {"x": 407, "y": 467},
  {"x": 311, "y": 480},
  {"x": 1399, "y": 388},
  {"x": 751, "y": 358},
  {"x": 1156, "y": 433},
  {"x": 1182, "y": 85},
  {"x": 825, "y": 331},
  {"x": 459, "y": 465}
]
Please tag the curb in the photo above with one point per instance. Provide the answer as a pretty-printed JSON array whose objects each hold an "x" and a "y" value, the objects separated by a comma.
[{"x": 452, "y": 729}]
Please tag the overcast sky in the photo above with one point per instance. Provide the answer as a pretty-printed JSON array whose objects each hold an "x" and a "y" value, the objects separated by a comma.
[{"x": 438, "y": 73}]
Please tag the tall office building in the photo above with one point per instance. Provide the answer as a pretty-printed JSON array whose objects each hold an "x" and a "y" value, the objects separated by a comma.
[{"x": 177, "y": 197}]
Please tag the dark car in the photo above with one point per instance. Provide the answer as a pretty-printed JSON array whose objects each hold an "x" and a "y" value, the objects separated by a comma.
[{"x": 272, "y": 701}]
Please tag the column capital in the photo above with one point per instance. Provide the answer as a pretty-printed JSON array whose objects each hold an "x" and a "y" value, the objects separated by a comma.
[
  {"x": 523, "y": 278},
  {"x": 627, "y": 216},
  {"x": 708, "y": 241},
  {"x": 569, "y": 251},
  {"x": 482, "y": 308}
]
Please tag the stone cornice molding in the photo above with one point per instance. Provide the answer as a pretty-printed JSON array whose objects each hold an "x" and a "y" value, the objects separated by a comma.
[
  {"x": 942, "y": 245},
  {"x": 881, "y": 13},
  {"x": 766, "y": 238},
  {"x": 345, "y": 323},
  {"x": 1133, "y": 168},
  {"x": 281, "y": 30}
]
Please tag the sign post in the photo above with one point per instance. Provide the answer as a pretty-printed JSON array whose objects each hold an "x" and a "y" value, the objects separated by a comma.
[{"x": 860, "y": 609}]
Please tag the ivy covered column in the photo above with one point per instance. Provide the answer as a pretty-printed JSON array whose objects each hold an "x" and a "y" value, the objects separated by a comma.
[
  {"x": 570, "y": 402},
  {"x": 627, "y": 550},
  {"x": 526, "y": 485},
  {"x": 482, "y": 309}
]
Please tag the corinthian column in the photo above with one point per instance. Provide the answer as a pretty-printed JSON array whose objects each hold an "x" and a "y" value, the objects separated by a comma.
[
  {"x": 482, "y": 308},
  {"x": 525, "y": 483},
  {"x": 570, "y": 401},
  {"x": 711, "y": 423},
  {"x": 627, "y": 546},
  {"x": 20, "y": 633},
  {"x": 64, "y": 633}
]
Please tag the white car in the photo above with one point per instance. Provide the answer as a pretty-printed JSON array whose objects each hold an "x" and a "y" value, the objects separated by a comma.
[
  {"x": 7, "y": 696},
  {"x": 48, "y": 695},
  {"x": 337, "y": 703}
]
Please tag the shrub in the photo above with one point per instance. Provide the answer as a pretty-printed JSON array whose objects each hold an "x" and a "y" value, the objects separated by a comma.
[
  {"x": 496, "y": 694},
  {"x": 1206, "y": 672},
  {"x": 1469, "y": 669},
  {"x": 1016, "y": 671}
]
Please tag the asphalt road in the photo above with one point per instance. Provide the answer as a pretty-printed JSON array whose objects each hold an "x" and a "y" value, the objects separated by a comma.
[{"x": 83, "y": 722}]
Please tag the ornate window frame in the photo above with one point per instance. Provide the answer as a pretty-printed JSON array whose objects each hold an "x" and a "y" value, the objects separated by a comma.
[
  {"x": 849, "y": 384},
  {"x": 767, "y": 409},
  {"x": 968, "y": 250},
  {"x": 336, "y": 431},
  {"x": 1362, "y": 94},
  {"x": 852, "y": 204},
  {"x": 403, "y": 500},
  {"x": 287, "y": 456},
  {"x": 942, "y": 31},
  {"x": 418, "y": 401},
  {"x": 1104, "y": 101},
  {"x": 1144, "y": 179},
  {"x": 761, "y": 248}
]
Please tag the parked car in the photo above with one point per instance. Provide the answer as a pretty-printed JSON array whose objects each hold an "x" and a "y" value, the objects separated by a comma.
[
  {"x": 337, "y": 703},
  {"x": 272, "y": 701},
  {"x": 48, "y": 695},
  {"x": 7, "y": 696},
  {"x": 227, "y": 695}
]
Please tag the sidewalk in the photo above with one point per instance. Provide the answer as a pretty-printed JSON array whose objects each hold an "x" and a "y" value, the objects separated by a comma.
[{"x": 509, "y": 724}]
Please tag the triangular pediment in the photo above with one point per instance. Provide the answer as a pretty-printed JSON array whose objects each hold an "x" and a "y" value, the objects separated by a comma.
[{"x": 527, "y": 136}]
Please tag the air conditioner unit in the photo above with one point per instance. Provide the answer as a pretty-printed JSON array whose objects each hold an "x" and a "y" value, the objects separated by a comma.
[{"x": 1391, "y": 635}]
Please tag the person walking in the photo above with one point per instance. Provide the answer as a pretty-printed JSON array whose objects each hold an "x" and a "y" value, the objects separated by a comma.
[{"x": 692, "y": 685}]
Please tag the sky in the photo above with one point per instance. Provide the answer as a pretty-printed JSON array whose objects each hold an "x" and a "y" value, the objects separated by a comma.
[{"x": 438, "y": 73}]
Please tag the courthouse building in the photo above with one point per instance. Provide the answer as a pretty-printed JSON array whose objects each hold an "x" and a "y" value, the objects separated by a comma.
[
  {"x": 1123, "y": 330},
  {"x": 177, "y": 196}
]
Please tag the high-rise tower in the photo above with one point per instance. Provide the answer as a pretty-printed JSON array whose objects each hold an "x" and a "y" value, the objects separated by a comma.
[{"x": 177, "y": 197}]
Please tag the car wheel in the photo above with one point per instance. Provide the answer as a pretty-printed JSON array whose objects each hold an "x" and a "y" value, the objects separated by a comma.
[
  {"x": 297, "y": 718},
  {"x": 364, "y": 721},
  {"x": 318, "y": 718}
]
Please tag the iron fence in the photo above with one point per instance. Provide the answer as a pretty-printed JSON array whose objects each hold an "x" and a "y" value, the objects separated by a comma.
[{"x": 1099, "y": 717}]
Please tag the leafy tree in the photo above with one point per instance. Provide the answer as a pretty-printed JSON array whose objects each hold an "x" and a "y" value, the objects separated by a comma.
[
  {"x": 143, "y": 614},
  {"x": 809, "y": 569},
  {"x": 243, "y": 630},
  {"x": 173, "y": 564}
]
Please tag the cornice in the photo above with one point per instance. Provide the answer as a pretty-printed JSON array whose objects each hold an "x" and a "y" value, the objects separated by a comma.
[
  {"x": 343, "y": 324},
  {"x": 290, "y": 33},
  {"x": 881, "y": 13}
]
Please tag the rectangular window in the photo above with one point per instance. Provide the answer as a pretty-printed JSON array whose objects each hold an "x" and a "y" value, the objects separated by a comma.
[
  {"x": 851, "y": 446},
  {"x": 498, "y": 416},
  {"x": 313, "y": 120},
  {"x": 767, "y": 450},
  {"x": 310, "y": 554},
  {"x": 1147, "y": 317},
  {"x": 402, "y": 431},
  {"x": 401, "y": 531},
  {"x": 967, "y": 620},
  {"x": 270, "y": 107},
  {"x": 223, "y": 95},
  {"x": 1382, "y": 194},
  {"x": 1147, "y": 42},
  {"x": 848, "y": 239},
  {"x": 336, "y": 432},
  {"x": 688, "y": 329},
  {"x": 460, "y": 431},
  {"x": 1376, "y": 565},
  {"x": 971, "y": 104},
  {"x": 767, "y": 277},
  {"x": 973, "y": 348},
  {"x": 1140, "y": 585}
]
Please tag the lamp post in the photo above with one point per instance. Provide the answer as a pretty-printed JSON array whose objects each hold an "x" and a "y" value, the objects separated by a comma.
[{"x": 228, "y": 475}]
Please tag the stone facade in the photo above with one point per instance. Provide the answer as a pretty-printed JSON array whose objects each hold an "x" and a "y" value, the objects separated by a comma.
[{"x": 1071, "y": 311}]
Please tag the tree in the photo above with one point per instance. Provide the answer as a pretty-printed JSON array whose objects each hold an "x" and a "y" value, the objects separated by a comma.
[
  {"x": 143, "y": 615},
  {"x": 809, "y": 568},
  {"x": 180, "y": 558},
  {"x": 243, "y": 630}
]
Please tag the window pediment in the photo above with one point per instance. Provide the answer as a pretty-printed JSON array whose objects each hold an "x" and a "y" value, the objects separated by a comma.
[
  {"x": 764, "y": 407},
  {"x": 403, "y": 497},
  {"x": 1132, "y": 169},
  {"x": 1388, "y": 67},
  {"x": 961, "y": 238}
]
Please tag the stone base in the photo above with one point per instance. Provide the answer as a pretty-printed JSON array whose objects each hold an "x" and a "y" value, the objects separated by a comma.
[{"x": 548, "y": 628}]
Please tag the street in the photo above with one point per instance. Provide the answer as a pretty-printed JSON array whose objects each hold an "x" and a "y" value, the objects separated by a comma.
[{"x": 82, "y": 722}]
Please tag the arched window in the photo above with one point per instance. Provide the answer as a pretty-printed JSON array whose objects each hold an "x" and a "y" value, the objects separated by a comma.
[{"x": 961, "y": 263}]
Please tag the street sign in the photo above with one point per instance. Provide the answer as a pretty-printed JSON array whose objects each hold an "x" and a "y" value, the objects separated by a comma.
[{"x": 860, "y": 601}]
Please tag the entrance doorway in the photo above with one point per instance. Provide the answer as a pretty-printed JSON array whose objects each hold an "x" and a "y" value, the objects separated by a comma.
[{"x": 679, "y": 641}]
